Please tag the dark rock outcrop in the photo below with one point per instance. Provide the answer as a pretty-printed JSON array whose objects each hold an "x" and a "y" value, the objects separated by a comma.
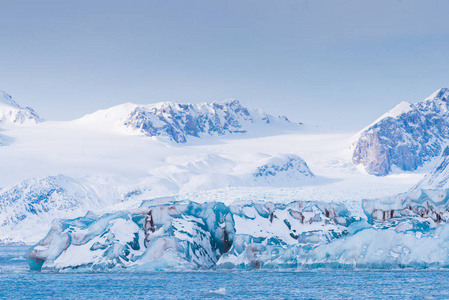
[{"x": 406, "y": 137}]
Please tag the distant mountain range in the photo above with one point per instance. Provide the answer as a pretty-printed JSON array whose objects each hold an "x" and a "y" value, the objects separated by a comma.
[
  {"x": 406, "y": 137},
  {"x": 403, "y": 139},
  {"x": 181, "y": 121},
  {"x": 174, "y": 120}
]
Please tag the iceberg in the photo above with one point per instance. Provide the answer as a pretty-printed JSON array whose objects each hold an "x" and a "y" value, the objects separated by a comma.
[{"x": 165, "y": 235}]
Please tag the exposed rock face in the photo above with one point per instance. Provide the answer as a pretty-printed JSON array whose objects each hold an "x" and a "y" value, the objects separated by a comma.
[
  {"x": 12, "y": 113},
  {"x": 439, "y": 177},
  {"x": 178, "y": 121},
  {"x": 406, "y": 137}
]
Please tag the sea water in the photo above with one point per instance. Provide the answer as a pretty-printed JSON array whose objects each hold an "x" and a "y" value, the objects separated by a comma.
[{"x": 17, "y": 282}]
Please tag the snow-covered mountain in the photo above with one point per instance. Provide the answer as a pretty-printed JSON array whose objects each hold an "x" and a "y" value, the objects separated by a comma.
[
  {"x": 180, "y": 121},
  {"x": 406, "y": 137},
  {"x": 12, "y": 113}
]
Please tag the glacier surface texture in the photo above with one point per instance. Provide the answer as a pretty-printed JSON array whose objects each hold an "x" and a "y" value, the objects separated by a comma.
[{"x": 408, "y": 230}]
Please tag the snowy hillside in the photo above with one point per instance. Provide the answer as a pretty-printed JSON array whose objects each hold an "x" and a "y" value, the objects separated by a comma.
[
  {"x": 40, "y": 200},
  {"x": 405, "y": 138},
  {"x": 181, "y": 121},
  {"x": 438, "y": 178},
  {"x": 12, "y": 113}
]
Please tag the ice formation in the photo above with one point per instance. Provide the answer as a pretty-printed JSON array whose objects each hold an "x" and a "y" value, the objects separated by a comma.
[
  {"x": 189, "y": 236},
  {"x": 408, "y": 230}
]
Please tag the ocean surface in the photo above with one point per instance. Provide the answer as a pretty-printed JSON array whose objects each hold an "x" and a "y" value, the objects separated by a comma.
[{"x": 17, "y": 282}]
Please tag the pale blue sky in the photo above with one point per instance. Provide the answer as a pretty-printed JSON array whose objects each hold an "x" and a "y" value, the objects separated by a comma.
[{"x": 335, "y": 63}]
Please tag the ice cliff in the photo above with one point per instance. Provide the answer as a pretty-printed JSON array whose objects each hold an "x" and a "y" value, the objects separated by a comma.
[
  {"x": 406, "y": 137},
  {"x": 408, "y": 230},
  {"x": 189, "y": 236}
]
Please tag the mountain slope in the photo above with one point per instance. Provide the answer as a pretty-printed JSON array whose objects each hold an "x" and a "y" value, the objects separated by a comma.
[
  {"x": 406, "y": 137},
  {"x": 438, "y": 178},
  {"x": 12, "y": 113},
  {"x": 181, "y": 121}
]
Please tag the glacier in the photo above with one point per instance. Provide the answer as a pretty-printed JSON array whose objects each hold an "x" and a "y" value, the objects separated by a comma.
[{"x": 407, "y": 230}]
